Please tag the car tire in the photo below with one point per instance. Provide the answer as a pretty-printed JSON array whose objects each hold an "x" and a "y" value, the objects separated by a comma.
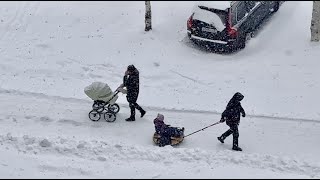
[
  {"x": 242, "y": 42},
  {"x": 249, "y": 36},
  {"x": 276, "y": 6}
]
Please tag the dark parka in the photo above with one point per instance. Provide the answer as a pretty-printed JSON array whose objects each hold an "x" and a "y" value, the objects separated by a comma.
[
  {"x": 131, "y": 82},
  {"x": 232, "y": 112}
]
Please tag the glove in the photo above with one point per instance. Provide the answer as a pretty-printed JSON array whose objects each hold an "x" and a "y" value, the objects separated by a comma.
[
  {"x": 222, "y": 120},
  {"x": 243, "y": 115},
  {"x": 123, "y": 91}
]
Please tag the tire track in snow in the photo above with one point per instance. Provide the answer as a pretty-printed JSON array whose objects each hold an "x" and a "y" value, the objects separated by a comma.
[
  {"x": 9, "y": 24},
  {"x": 189, "y": 78},
  {"x": 19, "y": 20},
  {"x": 18, "y": 15},
  {"x": 29, "y": 9},
  {"x": 76, "y": 100},
  {"x": 115, "y": 151}
]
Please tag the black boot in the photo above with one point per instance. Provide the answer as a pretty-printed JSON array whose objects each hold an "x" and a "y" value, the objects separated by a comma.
[
  {"x": 236, "y": 148},
  {"x": 182, "y": 131},
  {"x": 143, "y": 112},
  {"x": 133, "y": 113},
  {"x": 130, "y": 119},
  {"x": 235, "y": 142},
  {"x": 225, "y": 135},
  {"x": 221, "y": 139}
]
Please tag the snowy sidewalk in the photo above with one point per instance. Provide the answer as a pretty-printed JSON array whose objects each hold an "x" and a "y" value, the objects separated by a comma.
[{"x": 270, "y": 146}]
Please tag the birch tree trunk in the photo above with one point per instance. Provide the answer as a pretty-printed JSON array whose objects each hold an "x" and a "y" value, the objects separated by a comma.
[
  {"x": 315, "y": 22},
  {"x": 148, "y": 16}
]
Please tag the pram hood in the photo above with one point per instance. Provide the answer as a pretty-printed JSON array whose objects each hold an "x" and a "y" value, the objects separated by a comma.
[{"x": 100, "y": 91}]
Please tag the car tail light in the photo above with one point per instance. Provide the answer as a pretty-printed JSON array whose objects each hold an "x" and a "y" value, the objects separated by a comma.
[
  {"x": 189, "y": 22},
  {"x": 232, "y": 31}
]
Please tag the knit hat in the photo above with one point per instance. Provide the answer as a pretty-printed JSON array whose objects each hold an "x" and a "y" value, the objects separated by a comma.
[{"x": 160, "y": 117}]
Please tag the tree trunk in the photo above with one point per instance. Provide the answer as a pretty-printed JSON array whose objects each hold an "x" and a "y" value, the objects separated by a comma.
[
  {"x": 148, "y": 16},
  {"x": 315, "y": 22}
]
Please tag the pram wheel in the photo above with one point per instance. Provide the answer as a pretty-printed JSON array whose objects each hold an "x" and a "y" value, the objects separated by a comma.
[
  {"x": 94, "y": 115},
  {"x": 110, "y": 117},
  {"x": 98, "y": 106},
  {"x": 114, "y": 108}
]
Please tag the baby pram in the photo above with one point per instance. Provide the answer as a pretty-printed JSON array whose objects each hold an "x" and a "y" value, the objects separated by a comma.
[{"x": 104, "y": 101}]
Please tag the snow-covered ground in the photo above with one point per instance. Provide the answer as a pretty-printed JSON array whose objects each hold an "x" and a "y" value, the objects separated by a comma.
[{"x": 49, "y": 51}]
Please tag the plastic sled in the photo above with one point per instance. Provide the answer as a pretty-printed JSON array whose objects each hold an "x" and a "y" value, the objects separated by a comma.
[{"x": 174, "y": 140}]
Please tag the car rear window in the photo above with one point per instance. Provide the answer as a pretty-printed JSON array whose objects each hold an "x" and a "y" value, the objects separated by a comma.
[
  {"x": 215, "y": 17},
  {"x": 241, "y": 10}
]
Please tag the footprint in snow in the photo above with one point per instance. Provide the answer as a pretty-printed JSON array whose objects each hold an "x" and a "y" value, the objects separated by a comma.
[
  {"x": 68, "y": 121},
  {"x": 101, "y": 158},
  {"x": 46, "y": 119}
]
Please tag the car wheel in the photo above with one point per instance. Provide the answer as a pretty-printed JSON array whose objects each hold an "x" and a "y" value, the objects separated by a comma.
[
  {"x": 249, "y": 36},
  {"x": 276, "y": 6},
  {"x": 242, "y": 42}
]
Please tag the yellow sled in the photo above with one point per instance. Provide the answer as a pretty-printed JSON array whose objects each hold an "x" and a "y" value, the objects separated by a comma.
[{"x": 174, "y": 140}]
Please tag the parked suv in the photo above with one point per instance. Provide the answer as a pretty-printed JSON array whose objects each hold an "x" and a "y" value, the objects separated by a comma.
[{"x": 225, "y": 26}]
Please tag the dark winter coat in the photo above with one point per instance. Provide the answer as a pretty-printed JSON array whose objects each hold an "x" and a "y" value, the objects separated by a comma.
[
  {"x": 164, "y": 129},
  {"x": 232, "y": 112},
  {"x": 160, "y": 126},
  {"x": 131, "y": 82}
]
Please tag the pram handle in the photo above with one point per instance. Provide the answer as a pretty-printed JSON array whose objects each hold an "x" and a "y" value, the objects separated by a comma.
[{"x": 115, "y": 93}]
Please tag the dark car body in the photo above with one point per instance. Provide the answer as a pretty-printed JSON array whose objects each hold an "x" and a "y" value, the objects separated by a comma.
[{"x": 226, "y": 28}]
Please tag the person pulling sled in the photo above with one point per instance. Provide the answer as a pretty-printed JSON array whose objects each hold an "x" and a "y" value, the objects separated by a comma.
[{"x": 232, "y": 117}]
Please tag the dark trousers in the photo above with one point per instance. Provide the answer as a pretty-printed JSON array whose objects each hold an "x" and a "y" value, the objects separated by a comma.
[
  {"x": 132, "y": 100},
  {"x": 234, "y": 131},
  {"x": 133, "y": 106},
  {"x": 172, "y": 132},
  {"x": 167, "y": 134}
]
